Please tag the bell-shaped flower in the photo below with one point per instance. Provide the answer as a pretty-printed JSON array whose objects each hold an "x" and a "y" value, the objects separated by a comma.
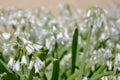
[
  {"x": 16, "y": 66},
  {"x": 11, "y": 62},
  {"x": 29, "y": 49},
  {"x": 24, "y": 60},
  {"x": 37, "y": 64},
  {"x": 6, "y": 35}
]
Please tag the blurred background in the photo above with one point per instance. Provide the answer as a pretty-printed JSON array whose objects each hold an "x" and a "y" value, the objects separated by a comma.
[{"x": 52, "y": 4}]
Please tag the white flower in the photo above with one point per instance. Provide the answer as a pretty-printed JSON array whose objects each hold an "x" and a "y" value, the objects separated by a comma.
[
  {"x": 85, "y": 78},
  {"x": 88, "y": 13},
  {"x": 17, "y": 66},
  {"x": 31, "y": 64},
  {"x": 26, "y": 41},
  {"x": 47, "y": 43},
  {"x": 6, "y": 35},
  {"x": 23, "y": 60},
  {"x": 104, "y": 78},
  {"x": 37, "y": 47},
  {"x": 117, "y": 62},
  {"x": 38, "y": 65},
  {"x": 11, "y": 62},
  {"x": 118, "y": 47},
  {"x": 109, "y": 64},
  {"x": 29, "y": 49}
]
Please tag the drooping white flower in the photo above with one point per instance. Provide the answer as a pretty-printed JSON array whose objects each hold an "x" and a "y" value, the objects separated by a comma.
[
  {"x": 31, "y": 64},
  {"x": 118, "y": 47},
  {"x": 37, "y": 47},
  {"x": 88, "y": 13},
  {"x": 29, "y": 49},
  {"x": 6, "y": 35},
  {"x": 26, "y": 41},
  {"x": 11, "y": 62},
  {"x": 38, "y": 65},
  {"x": 109, "y": 64},
  {"x": 117, "y": 62},
  {"x": 16, "y": 66},
  {"x": 24, "y": 60}
]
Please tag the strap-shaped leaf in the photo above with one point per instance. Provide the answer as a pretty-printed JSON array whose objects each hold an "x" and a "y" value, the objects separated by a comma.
[
  {"x": 55, "y": 73},
  {"x": 74, "y": 49}
]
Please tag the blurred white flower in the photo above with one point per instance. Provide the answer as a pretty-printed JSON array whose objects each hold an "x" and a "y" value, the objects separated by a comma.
[
  {"x": 38, "y": 65},
  {"x": 117, "y": 62},
  {"x": 31, "y": 64},
  {"x": 85, "y": 78},
  {"x": 16, "y": 66},
  {"x": 6, "y": 35},
  {"x": 118, "y": 47},
  {"x": 29, "y": 49},
  {"x": 104, "y": 78},
  {"x": 11, "y": 62},
  {"x": 37, "y": 47},
  {"x": 109, "y": 64},
  {"x": 26, "y": 41},
  {"x": 24, "y": 60},
  {"x": 88, "y": 13}
]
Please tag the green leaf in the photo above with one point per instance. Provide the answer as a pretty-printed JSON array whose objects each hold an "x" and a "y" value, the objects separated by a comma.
[
  {"x": 99, "y": 70},
  {"x": 74, "y": 49},
  {"x": 4, "y": 67},
  {"x": 93, "y": 62},
  {"x": 98, "y": 76},
  {"x": 10, "y": 74},
  {"x": 31, "y": 74},
  {"x": 55, "y": 73},
  {"x": 86, "y": 50}
]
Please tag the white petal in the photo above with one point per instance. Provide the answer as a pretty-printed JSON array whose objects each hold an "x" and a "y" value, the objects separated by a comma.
[
  {"x": 29, "y": 50},
  {"x": 37, "y": 47},
  {"x": 23, "y": 60},
  {"x": 16, "y": 66},
  {"x": 36, "y": 68},
  {"x": 25, "y": 41},
  {"x": 6, "y": 35},
  {"x": 11, "y": 63},
  {"x": 31, "y": 65},
  {"x": 39, "y": 61}
]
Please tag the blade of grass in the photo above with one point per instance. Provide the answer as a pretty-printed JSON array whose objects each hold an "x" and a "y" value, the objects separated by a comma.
[
  {"x": 74, "y": 49},
  {"x": 55, "y": 73},
  {"x": 99, "y": 70},
  {"x": 10, "y": 74},
  {"x": 86, "y": 49},
  {"x": 5, "y": 68},
  {"x": 79, "y": 72},
  {"x": 93, "y": 62},
  {"x": 31, "y": 74},
  {"x": 74, "y": 75},
  {"x": 98, "y": 76}
]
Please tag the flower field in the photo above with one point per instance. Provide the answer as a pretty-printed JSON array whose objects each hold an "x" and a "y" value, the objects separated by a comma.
[{"x": 36, "y": 45}]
